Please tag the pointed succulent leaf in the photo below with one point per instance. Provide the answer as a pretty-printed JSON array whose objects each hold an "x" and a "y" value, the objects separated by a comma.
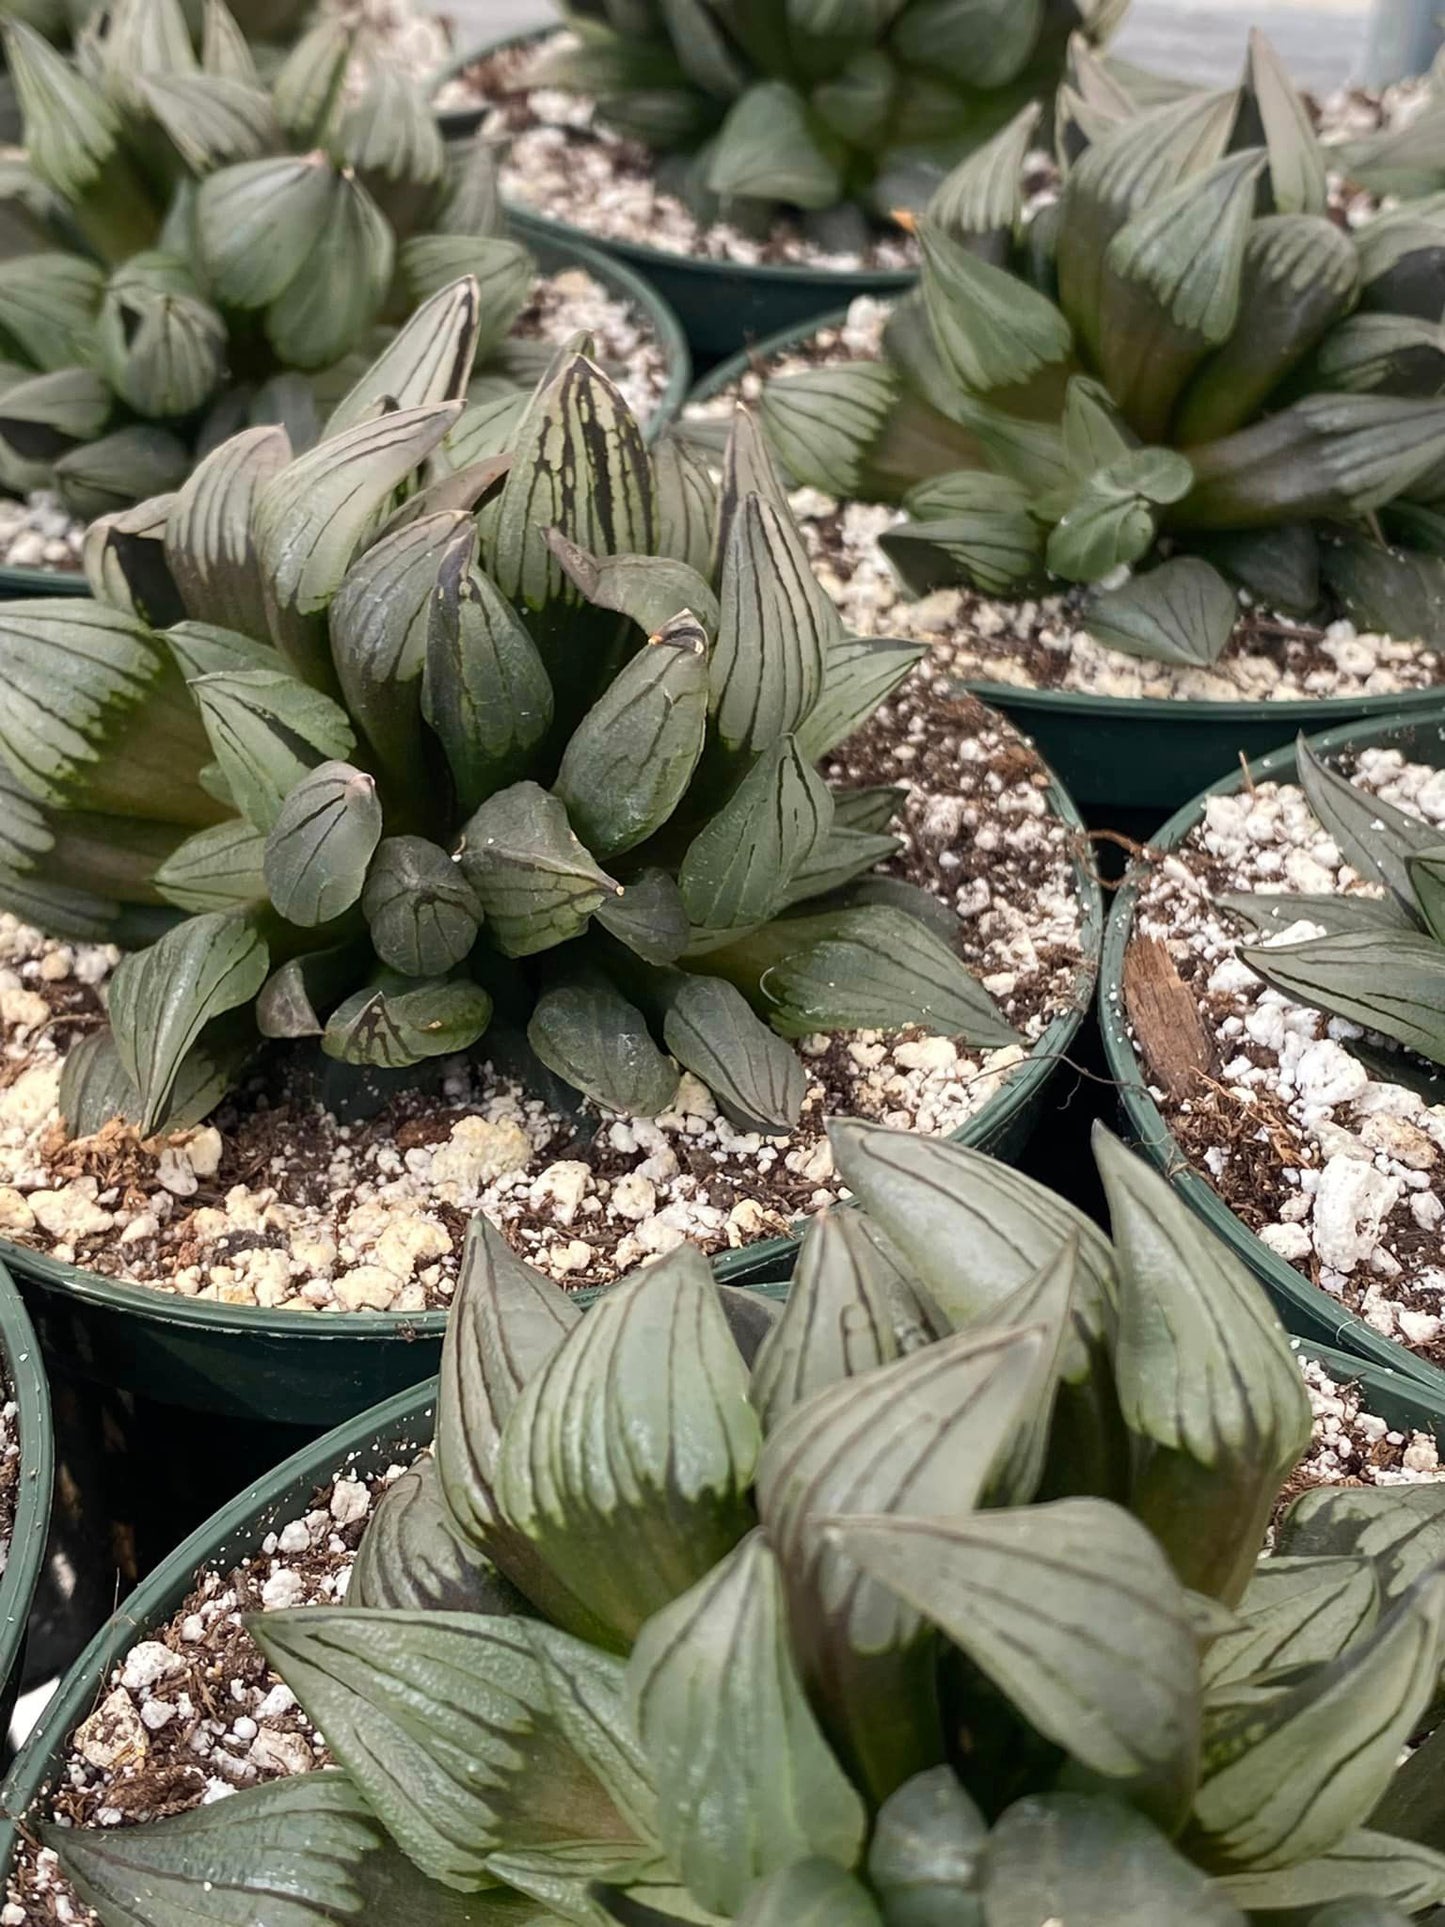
[
  {"x": 503, "y": 272},
  {"x": 972, "y": 1231},
  {"x": 1386, "y": 591},
  {"x": 775, "y": 628},
  {"x": 1113, "y": 519},
  {"x": 316, "y": 981},
  {"x": 579, "y": 465},
  {"x": 995, "y": 544},
  {"x": 1373, "y": 836},
  {"x": 981, "y": 202},
  {"x": 738, "y": 869},
  {"x": 823, "y": 424},
  {"x": 536, "y": 883},
  {"x": 378, "y": 623},
  {"x": 310, "y": 518},
  {"x": 1381, "y": 354},
  {"x": 637, "y": 1429},
  {"x": 216, "y": 869},
  {"x": 209, "y": 544},
  {"x": 162, "y": 998},
  {"x": 1276, "y": 912},
  {"x": 589, "y": 1034},
  {"x": 106, "y": 476},
  {"x": 335, "y": 300},
  {"x": 413, "y": 1558},
  {"x": 396, "y": 1025},
  {"x": 459, "y": 1729},
  {"x": 1071, "y": 1610},
  {"x": 838, "y": 1321},
  {"x": 506, "y": 1321},
  {"x": 650, "y": 590},
  {"x": 712, "y": 1690},
  {"x": 873, "y": 968},
  {"x": 1288, "y": 1769},
  {"x": 71, "y": 128},
  {"x": 48, "y": 306},
  {"x": 927, "y": 1431},
  {"x": 323, "y": 838},
  {"x": 770, "y": 149},
  {"x": 1296, "y": 160},
  {"x": 422, "y": 913},
  {"x": 1073, "y": 1854},
  {"x": 1362, "y": 1864},
  {"x": 754, "y": 1075},
  {"x": 1207, "y": 1382},
  {"x": 268, "y": 731},
  {"x": 1295, "y": 1612},
  {"x": 1401, "y": 1529},
  {"x": 1182, "y": 612},
  {"x": 211, "y": 119},
  {"x": 748, "y": 469},
  {"x": 810, "y": 1893},
  {"x": 992, "y": 329},
  {"x": 258, "y": 224},
  {"x": 858, "y": 674},
  {"x": 389, "y": 133},
  {"x": 206, "y": 649},
  {"x": 224, "y": 47},
  {"x": 44, "y": 415},
  {"x": 649, "y": 917},
  {"x": 484, "y": 690},
  {"x": 846, "y": 856},
  {"x": 630, "y": 760},
  {"x": 124, "y": 559},
  {"x": 686, "y": 503},
  {"x": 307, "y": 87},
  {"x": 428, "y": 360},
  {"x": 1392, "y": 981}
]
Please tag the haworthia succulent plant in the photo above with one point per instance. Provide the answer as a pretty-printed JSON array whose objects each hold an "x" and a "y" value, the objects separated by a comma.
[
  {"x": 248, "y": 248},
  {"x": 1381, "y": 961},
  {"x": 842, "y": 112},
  {"x": 854, "y": 1628},
  {"x": 401, "y": 749},
  {"x": 1180, "y": 381}
]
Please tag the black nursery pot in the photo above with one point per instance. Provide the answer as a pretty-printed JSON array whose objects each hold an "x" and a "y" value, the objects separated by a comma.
[{"x": 722, "y": 305}]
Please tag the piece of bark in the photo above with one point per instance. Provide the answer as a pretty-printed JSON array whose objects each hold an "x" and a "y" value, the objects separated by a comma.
[{"x": 1166, "y": 1020}]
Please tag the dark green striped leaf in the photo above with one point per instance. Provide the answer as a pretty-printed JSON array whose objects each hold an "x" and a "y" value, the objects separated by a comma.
[
  {"x": 1275, "y": 911},
  {"x": 650, "y": 590},
  {"x": 403, "y": 1023},
  {"x": 390, "y": 134},
  {"x": 422, "y": 913},
  {"x": 212, "y": 119},
  {"x": 428, "y": 360},
  {"x": 257, "y": 226},
  {"x": 686, "y": 503},
  {"x": 107, "y": 475},
  {"x": 1295, "y": 1612},
  {"x": 205, "y": 649},
  {"x": 628, "y": 764},
  {"x": 414, "y": 1559},
  {"x": 589, "y": 1034},
  {"x": 318, "y": 848},
  {"x": 770, "y": 149},
  {"x": 503, "y": 273},
  {"x": 162, "y": 998},
  {"x": 537, "y": 884},
  {"x": 993, "y": 330},
  {"x": 1385, "y": 590},
  {"x": 842, "y": 859},
  {"x": 823, "y": 424},
  {"x": 208, "y": 533},
  {"x": 484, "y": 689},
  {"x": 982, "y": 200},
  {"x": 775, "y": 628},
  {"x": 649, "y": 916},
  {"x": 268, "y": 731},
  {"x": 216, "y": 869},
  {"x": 712, "y": 1689},
  {"x": 996, "y": 545},
  {"x": 1182, "y": 612},
  {"x": 317, "y": 980},
  {"x": 664, "y": 1462},
  {"x": 48, "y": 306},
  {"x": 123, "y": 555},
  {"x": 858, "y": 675},
  {"x": 1362, "y": 1864},
  {"x": 1072, "y": 1611},
  {"x": 738, "y": 870},
  {"x": 71, "y": 128},
  {"x": 1297, "y": 183},
  {"x": 1392, "y": 981},
  {"x": 754, "y": 1075},
  {"x": 333, "y": 303},
  {"x": 1113, "y": 519},
  {"x": 1373, "y": 836}
]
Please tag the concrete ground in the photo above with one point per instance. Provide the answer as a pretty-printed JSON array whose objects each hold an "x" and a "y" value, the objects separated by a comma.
[{"x": 1321, "y": 40}]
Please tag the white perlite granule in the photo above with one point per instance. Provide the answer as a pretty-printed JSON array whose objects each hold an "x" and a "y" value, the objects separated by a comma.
[
  {"x": 297, "y": 1210},
  {"x": 39, "y": 533},
  {"x": 1353, "y": 1445},
  {"x": 1356, "y": 1163},
  {"x": 1038, "y": 642}
]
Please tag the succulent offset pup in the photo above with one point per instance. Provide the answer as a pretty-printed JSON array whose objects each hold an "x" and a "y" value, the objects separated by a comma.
[
  {"x": 1381, "y": 960},
  {"x": 1181, "y": 380},
  {"x": 407, "y": 763},
  {"x": 249, "y": 248},
  {"x": 935, "y": 1602},
  {"x": 830, "y": 106}
]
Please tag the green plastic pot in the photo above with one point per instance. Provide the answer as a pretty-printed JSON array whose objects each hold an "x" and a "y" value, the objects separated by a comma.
[
  {"x": 554, "y": 255},
  {"x": 723, "y": 305},
  {"x": 320, "y": 1368},
  {"x": 395, "y": 1429},
  {"x": 1142, "y": 753},
  {"x": 1403, "y": 1402},
  {"x": 1306, "y": 1309},
  {"x": 26, "y": 1376}
]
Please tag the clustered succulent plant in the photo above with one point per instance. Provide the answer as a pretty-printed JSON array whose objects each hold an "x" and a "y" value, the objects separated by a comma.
[
  {"x": 1381, "y": 959},
  {"x": 937, "y": 1602},
  {"x": 409, "y": 764},
  {"x": 1181, "y": 379},
  {"x": 832, "y": 106},
  {"x": 249, "y": 248}
]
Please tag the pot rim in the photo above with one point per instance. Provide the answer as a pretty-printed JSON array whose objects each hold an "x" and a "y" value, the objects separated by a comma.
[
  {"x": 25, "y": 1369},
  {"x": 622, "y": 279},
  {"x": 1147, "y": 1123},
  {"x": 776, "y": 273}
]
